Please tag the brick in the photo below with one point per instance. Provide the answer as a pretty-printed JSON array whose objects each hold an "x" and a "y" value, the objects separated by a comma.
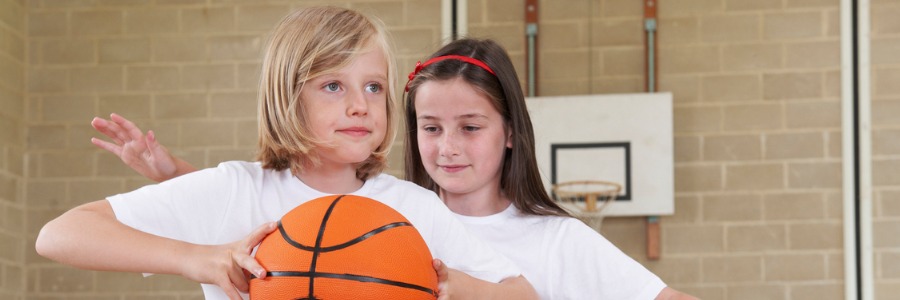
[
  {"x": 687, "y": 210},
  {"x": 152, "y": 78},
  {"x": 885, "y": 141},
  {"x": 96, "y": 22},
  {"x": 151, "y": 21},
  {"x": 794, "y": 267},
  {"x": 772, "y": 291},
  {"x": 698, "y": 178},
  {"x": 61, "y": 279},
  {"x": 730, "y": 28},
  {"x": 814, "y": 175},
  {"x": 812, "y": 3},
  {"x": 567, "y": 65},
  {"x": 688, "y": 59},
  {"x": 884, "y": 233},
  {"x": 792, "y": 25},
  {"x": 233, "y": 105},
  {"x": 678, "y": 30},
  {"x": 729, "y": 88},
  {"x": 884, "y": 50},
  {"x": 687, "y": 148},
  {"x": 179, "y": 49},
  {"x": 124, "y": 50},
  {"x": 426, "y": 13},
  {"x": 885, "y": 172},
  {"x": 732, "y": 148},
  {"x": 813, "y": 55},
  {"x": 390, "y": 12},
  {"x": 795, "y": 145},
  {"x": 884, "y": 81},
  {"x": 46, "y": 137},
  {"x": 11, "y": 74},
  {"x": 616, "y": 33},
  {"x": 47, "y": 24},
  {"x": 97, "y": 79},
  {"x": 751, "y": 57},
  {"x": 507, "y": 35},
  {"x": 732, "y": 269},
  {"x": 740, "y": 5},
  {"x": 261, "y": 18},
  {"x": 816, "y": 236},
  {"x": 885, "y": 112},
  {"x": 697, "y": 119},
  {"x": 884, "y": 20},
  {"x": 79, "y": 136},
  {"x": 499, "y": 11},
  {"x": 820, "y": 291},
  {"x": 208, "y": 77},
  {"x": 198, "y": 134},
  {"x": 732, "y": 207},
  {"x": 792, "y": 85},
  {"x": 208, "y": 19},
  {"x": 754, "y": 238},
  {"x": 180, "y": 106},
  {"x": 684, "y": 88},
  {"x": 45, "y": 80},
  {"x": 65, "y": 164},
  {"x": 813, "y": 114},
  {"x": 889, "y": 204},
  {"x": 753, "y": 117},
  {"x": 130, "y": 106},
  {"x": 691, "y": 7},
  {"x": 68, "y": 108},
  {"x": 247, "y": 133},
  {"x": 613, "y": 85},
  {"x": 76, "y": 51},
  {"x": 248, "y": 76},
  {"x": 754, "y": 177},
  {"x": 564, "y": 35},
  {"x": 418, "y": 42},
  {"x": 889, "y": 263},
  {"x": 675, "y": 270},
  {"x": 91, "y": 190},
  {"x": 794, "y": 206},
  {"x": 623, "y": 62}
]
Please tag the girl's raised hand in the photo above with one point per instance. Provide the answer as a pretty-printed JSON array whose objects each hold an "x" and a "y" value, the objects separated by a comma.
[
  {"x": 224, "y": 265},
  {"x": 142, "y": 153}
]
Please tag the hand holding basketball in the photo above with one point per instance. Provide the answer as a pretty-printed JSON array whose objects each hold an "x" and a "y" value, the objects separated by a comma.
[{"x": 224, "y": 265}]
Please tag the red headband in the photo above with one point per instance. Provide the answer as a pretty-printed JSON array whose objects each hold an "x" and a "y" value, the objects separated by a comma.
[{"x": 420, "y": 65}]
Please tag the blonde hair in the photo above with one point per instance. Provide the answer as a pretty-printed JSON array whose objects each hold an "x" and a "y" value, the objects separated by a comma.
[{"x": 307, "y": 44}]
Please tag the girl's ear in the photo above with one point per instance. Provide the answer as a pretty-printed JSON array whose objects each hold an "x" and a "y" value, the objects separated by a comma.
[{"x": 509, "y": 139}]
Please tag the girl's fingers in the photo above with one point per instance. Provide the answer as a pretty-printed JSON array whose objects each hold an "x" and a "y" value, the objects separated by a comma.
[
  {"x": 128, "y": 127},
  {"x": 106, "y": 128},
  {"x": 115, "y": 149}
]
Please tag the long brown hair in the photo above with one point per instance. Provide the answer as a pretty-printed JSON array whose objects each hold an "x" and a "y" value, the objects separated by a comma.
[
  {"x": 307, "y": 44},
  {"x": 520, "y": 179}
]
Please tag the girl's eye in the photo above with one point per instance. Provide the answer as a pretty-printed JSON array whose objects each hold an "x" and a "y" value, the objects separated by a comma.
[
  {"x": 332, "y": 87},
  {"x": 373, "y": 88},
  {"x": 470, "y": 128},
  {"x": 430, "y": 129}
]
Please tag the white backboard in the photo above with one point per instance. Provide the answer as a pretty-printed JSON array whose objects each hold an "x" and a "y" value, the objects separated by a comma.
[{"x": 624, "y": 138}]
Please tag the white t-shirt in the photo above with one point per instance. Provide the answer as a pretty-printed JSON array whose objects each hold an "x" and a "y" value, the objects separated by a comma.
[
  {"x": 563, "y": 258},
  {"x": 225, "y": 204}
]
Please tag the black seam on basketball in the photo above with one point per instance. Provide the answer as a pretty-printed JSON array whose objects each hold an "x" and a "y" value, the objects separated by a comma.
[
  {"x": 365, "y": 236},
  {"x": 317, "y": 249},
  {"x": 346, "y": 244},
  {"x": 360, "y": 278}
]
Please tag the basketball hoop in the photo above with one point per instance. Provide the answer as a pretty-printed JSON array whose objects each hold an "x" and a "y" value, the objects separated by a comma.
[{"x": 586, "y": 199}]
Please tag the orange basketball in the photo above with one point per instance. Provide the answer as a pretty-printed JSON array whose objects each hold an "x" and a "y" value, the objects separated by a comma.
[{"x": 344, "y": 247}]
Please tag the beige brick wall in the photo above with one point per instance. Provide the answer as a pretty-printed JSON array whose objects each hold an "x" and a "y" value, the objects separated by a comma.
[
  {"x": 886, "y": 146},
  {"x": 12, "y": 149},
  {"x": 757, "y": 122}
]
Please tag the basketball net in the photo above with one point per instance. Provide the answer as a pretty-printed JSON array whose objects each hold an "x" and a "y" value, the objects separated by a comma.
[{"x": 586, "y": 199}]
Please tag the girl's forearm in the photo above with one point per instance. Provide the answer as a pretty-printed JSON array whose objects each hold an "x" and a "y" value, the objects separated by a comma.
[{"x": 90, "y": 237}]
